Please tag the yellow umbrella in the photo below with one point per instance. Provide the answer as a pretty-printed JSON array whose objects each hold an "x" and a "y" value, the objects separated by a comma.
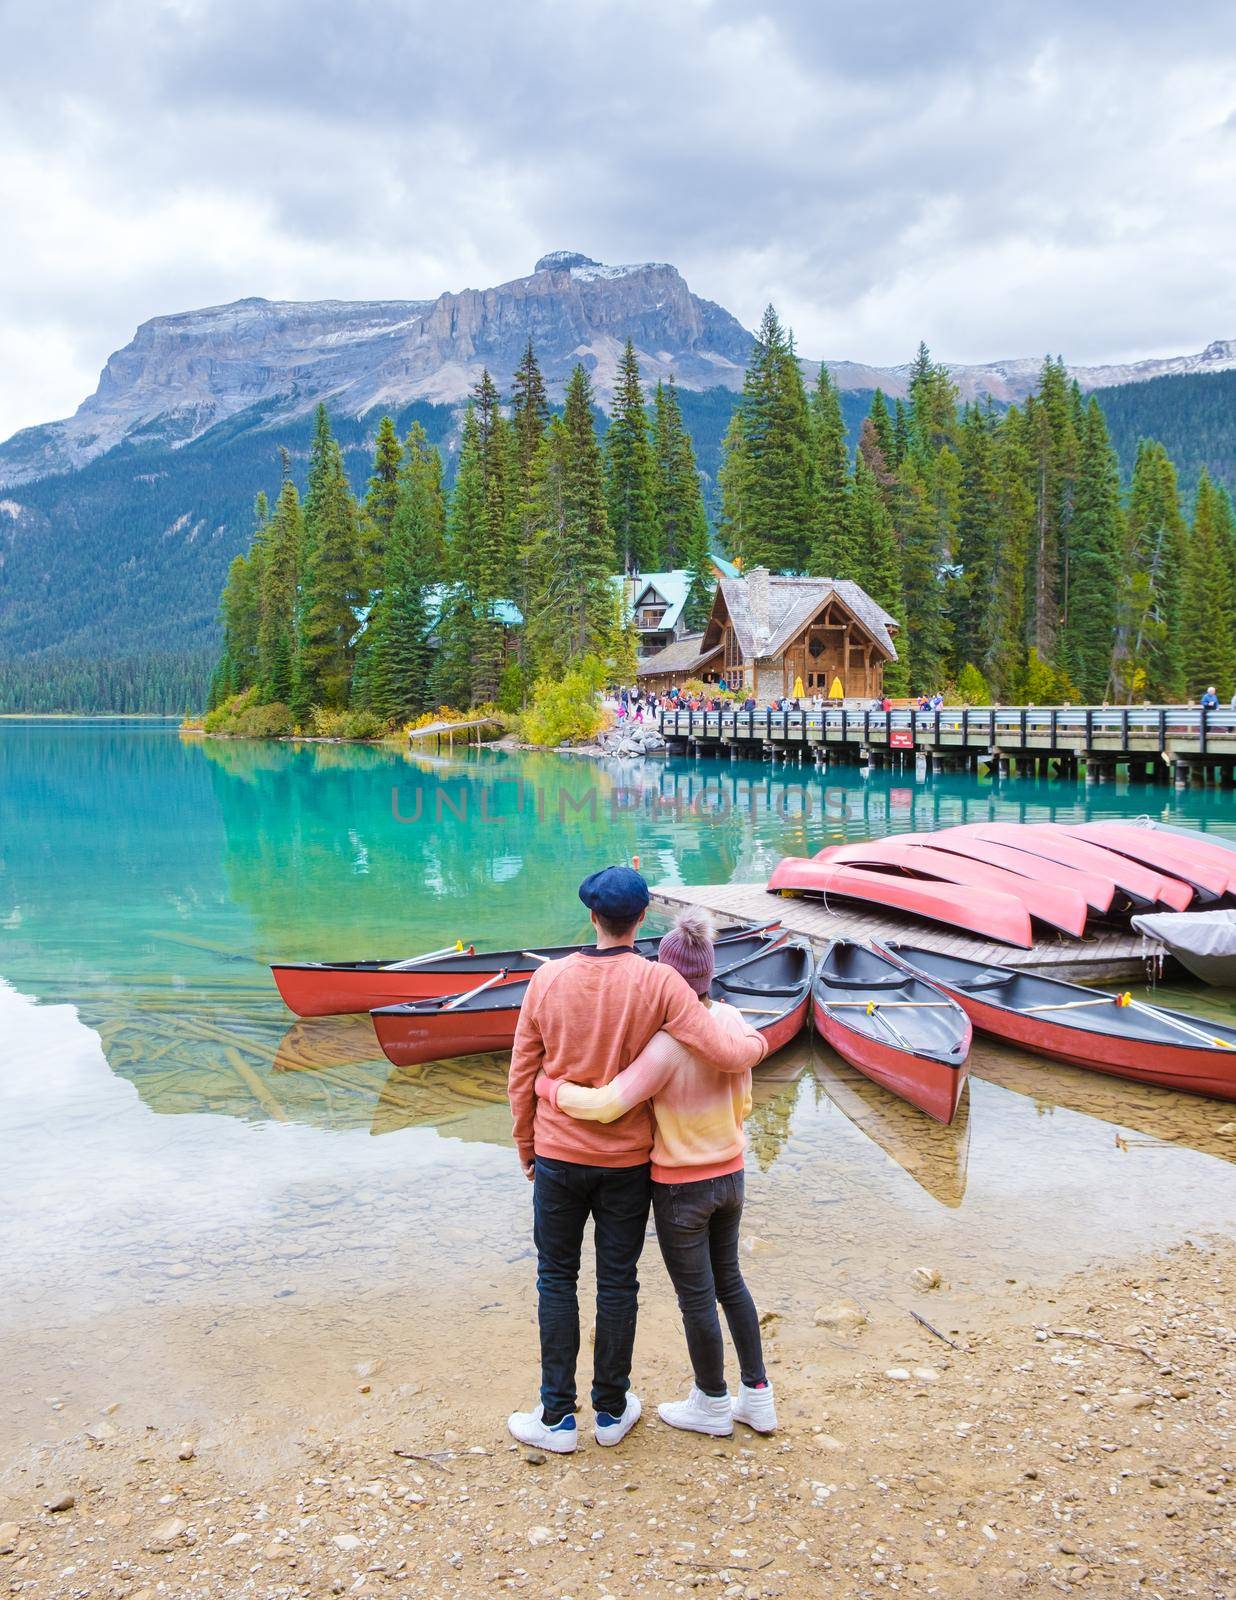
[
  {"x": 799, "y": 691},
  {"x": 835, "y": 691}
]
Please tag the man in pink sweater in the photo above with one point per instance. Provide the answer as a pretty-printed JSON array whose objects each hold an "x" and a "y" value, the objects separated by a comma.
[{"x": 586, "y": 1018}]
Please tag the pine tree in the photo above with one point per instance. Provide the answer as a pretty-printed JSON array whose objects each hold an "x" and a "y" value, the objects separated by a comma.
[
  {"x": 1001, "y": 606},
  {"x": 587, "y": 538},
  {"x": 767, "y": 489},
  {"x": 1052, "y": 440},
  {"x": 1208, "y": 604},
  {"x": 879, "y": 570},
  {"x": 922, "y": 558},
  {"x": 680, "y": 514},
  {"x": 1095, "y": 538},
  {"x": 529, "y": 412},
  {"x": 901, "y": 435},
  {"x": 832, "y": 554},
  {"x": 1147, "y": 659},
  {"x": 332, "y": 587},
  {"x": 882, "y": 422},
  {"x": 395, "y": 657},
  {"x": 277, "y": 601},
  {"x": 630, "y": 485},
  {"x": 976, "y": 551},
  {"x": 381, "y": 498},
  {"x": 734, "y": 478}
]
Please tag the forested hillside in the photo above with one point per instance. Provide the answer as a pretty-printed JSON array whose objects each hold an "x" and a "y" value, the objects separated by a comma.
[
  {"x": 1193, "y": 418},
  {"x": 999, "y": 540}
]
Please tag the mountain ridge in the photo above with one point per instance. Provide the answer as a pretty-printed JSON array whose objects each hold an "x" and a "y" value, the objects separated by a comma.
[{"x": 186, "y": 372}]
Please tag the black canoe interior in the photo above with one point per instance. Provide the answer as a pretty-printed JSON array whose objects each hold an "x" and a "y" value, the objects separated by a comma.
[
  {"x": 1010, "y": 990},
  {"x": 780, "y": 979},
  {"x": 736, "y": 941},
  {"x": 780, "y": 975},
  {"x": 850, "y": 973}
]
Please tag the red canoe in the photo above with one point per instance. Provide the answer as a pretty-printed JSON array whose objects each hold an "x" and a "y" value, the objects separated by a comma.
[
  {"x": 335, "y": 988},
  {"x": 1064, "y": 909},
  {"x": 1097, "y": 892},
  {"x": 1195, "y": 865},
  {"x": 1086, "y": 1027},
  {"x": 772, "y": 987},
  {"x": 1143, "y": 887},
  {"x": 986, "y": 912},
  {"x": 896, "y": 1029}
]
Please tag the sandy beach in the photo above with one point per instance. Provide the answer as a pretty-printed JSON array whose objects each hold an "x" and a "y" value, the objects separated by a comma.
[{"x": 1049, "y": 1442}]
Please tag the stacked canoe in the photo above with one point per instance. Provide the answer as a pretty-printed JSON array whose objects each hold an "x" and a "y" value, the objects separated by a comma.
[{"x": 1008, "y": 881}]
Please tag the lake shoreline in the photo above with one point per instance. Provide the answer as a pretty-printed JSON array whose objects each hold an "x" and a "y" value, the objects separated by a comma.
[{"x": 1056, "y": 1437}]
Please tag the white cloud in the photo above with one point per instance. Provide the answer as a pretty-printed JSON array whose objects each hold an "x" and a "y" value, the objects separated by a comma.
[{"x": 997, "y": 179}]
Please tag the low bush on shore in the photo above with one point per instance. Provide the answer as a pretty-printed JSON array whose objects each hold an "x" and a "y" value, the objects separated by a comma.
[{"x": 567, "y": 709}]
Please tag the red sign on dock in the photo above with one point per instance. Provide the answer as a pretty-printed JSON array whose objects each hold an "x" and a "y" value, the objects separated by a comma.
[{"x": 900, "y": 739}]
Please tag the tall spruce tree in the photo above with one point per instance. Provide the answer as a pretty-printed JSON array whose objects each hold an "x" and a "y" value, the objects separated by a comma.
[
  {"x": 396, "y": 646},
  {"x": 832, "y": 553},
  {"x": 882, "y": 422},
  {"x": 1052, "y": 441},
  {"x": 767, "y": 478},
  {"x": 976, "y": 552},
  {"x": 1147, "y": 656},
  {"x": 277, "y": 599},
  {"x": 381, "y": 498},
  {"x": 529, "y": 411},
  {"x": 1091, "y": 568},
  {"x": 681, "y": 518},
  {"x": 587, "y": 537},
  {"x": 879, "y": 569},
  {"x": 332, "y": 587},
  {"x": 1208, "y": 604},
  {"x": 630, "y": 480}
]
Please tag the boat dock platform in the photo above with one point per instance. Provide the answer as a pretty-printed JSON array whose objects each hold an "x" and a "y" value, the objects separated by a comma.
[
  {"x": 1186, "y": 744},
  {"x": 1113, "y": 957}
]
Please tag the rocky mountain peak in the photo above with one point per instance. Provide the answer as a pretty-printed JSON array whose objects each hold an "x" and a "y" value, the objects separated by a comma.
[{"x": 563, "y": 261}]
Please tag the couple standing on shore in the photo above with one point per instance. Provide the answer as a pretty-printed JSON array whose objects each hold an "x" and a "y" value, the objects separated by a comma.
[{"x": 628, "y": 1088}]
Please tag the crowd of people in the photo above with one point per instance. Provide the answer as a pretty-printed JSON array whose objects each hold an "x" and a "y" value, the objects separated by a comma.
[{"x": 643, "y": 705}]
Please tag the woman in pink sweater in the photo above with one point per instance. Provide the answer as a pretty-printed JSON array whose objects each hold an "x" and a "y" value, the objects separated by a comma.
[{"x": 697, "y": 1191}]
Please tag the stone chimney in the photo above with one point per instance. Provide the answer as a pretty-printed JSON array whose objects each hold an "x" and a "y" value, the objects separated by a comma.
[{"x": 757, "y": 595}]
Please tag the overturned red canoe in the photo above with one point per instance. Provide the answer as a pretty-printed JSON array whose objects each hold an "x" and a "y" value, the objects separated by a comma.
[
  {"x": 335, "y": 988},
  {"x": 898, "y": 1030},
  {"x": 1139, "y": 884},
  {"x": 987, "y": 912},
  {"x": 1086, "y": 1027},
  {"x": 1195, "y": 864},
  {"x": 1064, "y": 909},
  {"x": 1098, "y": 893},
  {"x": 772, "y": 987}
]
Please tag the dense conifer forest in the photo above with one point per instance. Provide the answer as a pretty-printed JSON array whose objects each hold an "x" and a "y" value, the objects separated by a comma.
[
  {"x": 107, "y": 589},
  {"x": 1000, "y": 539}
]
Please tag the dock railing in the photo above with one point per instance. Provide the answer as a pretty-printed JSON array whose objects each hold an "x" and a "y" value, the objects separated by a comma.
[{"x": 1186, "y": 733}]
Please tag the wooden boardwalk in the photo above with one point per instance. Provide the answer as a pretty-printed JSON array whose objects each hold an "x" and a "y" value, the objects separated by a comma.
[{"x": 1108, "y": 957}]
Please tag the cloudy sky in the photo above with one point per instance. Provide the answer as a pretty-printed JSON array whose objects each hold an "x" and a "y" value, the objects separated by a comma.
[{"x": 999, "y": 179}]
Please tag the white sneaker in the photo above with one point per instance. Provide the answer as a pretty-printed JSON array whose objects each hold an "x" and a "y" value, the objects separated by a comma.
[
  {"x": 528, "y": 1428},
  {"x": 700, "y": 1413},
  {"x": 756, "y": 1408},
  {"x": 613, "y": 1430}
]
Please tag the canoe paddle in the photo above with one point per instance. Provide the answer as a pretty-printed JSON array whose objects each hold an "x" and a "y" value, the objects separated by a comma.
[
  {"x": 456, "y": 949},
  {"x": 469, "y": 993}
]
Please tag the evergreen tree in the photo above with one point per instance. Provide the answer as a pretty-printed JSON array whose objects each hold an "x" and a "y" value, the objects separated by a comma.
[
  {"x": 277, "y": 601},
  {"x": 701, "y": 579},
  {"x": 922, "y": 559},
  {"x": 1147, "y": 657},
  {"x": 768, "y": 488},
  {"x": 587, "y": 538},
  {"x": 882, "y": 422},
  {"x": 977, "y": 533},
  {"x": 529, "y": 412},
  {"x": 736, "y": 525},
  {"x": 1052, "y": 442},
  {"x": 332, "y": 587},
  {"x": 630, "y": 483},
  {"x": 680, "y": 516},
  {"x": 879, "y": 572},
  {"x": 901, "y": 434},
  {"x": 1001, "y": 604},
  {"x": 1208, "y": 604},
  {"x": 832, "y": 553},
  {"x": 381, "y": 498},
  {"x": 1095, "y": 538}
]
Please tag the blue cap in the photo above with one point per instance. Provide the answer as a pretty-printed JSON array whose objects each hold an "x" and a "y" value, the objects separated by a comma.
[{"x": 618, "y": 893}]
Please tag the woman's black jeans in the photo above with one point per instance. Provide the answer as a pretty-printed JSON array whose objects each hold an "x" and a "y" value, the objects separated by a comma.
[{"x": 697, "y": 1229}]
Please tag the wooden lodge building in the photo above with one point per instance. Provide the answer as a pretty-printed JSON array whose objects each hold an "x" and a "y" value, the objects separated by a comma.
[{"x": 769, "y": 633}]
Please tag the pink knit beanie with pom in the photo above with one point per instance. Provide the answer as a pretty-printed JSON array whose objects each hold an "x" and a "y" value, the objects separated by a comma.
[{"x": 688, "y": 948}]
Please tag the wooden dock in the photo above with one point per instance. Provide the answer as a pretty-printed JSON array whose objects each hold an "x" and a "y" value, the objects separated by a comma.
[{"x": 1107, "y": 958}]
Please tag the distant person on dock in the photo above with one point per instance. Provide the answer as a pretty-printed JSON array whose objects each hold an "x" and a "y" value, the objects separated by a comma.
[
  {"x": 1210, "y": 700},
  {"x": 697, "y": 1190},
  {"x": 587, "y": 1017}
]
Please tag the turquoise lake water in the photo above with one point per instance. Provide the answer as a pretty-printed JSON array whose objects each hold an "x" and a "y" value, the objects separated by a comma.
[{"x": 174, "y": 1137}]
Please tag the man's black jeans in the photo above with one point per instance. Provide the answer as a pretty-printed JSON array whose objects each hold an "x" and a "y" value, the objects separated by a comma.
[
  {"x": 697, "y": 1229},
  {"x": 564, "y": 1196}
]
